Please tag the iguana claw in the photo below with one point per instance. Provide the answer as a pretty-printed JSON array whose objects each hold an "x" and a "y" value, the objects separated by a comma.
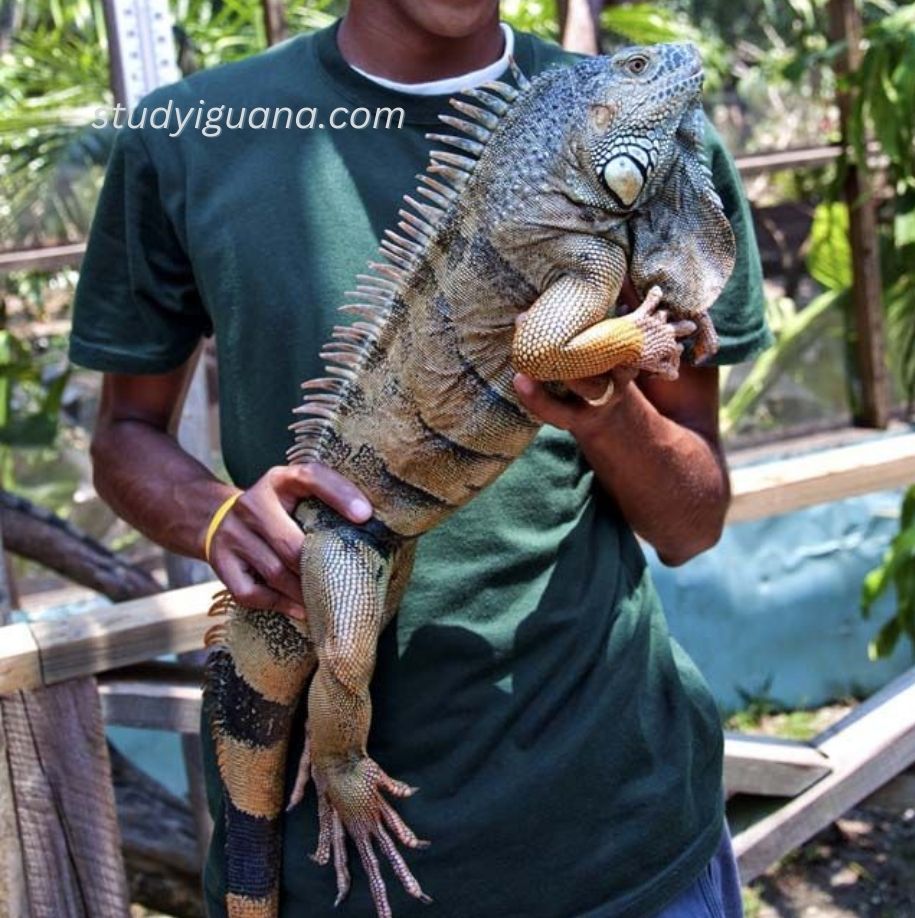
[{"x": 350, "y": 803}]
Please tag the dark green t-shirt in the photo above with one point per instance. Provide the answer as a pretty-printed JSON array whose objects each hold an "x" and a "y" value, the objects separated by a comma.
[{"x": 567, "y": 751}]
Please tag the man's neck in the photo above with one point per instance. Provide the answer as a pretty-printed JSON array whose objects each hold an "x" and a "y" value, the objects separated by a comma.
[{"x": 385, "y": 43}]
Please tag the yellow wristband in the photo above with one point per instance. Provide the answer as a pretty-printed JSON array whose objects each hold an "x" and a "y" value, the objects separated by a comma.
[{"x": 216, "y": 520}]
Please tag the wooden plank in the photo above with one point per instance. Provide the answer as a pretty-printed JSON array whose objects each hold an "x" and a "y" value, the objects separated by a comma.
[
  {"x": 791, "y": 484},
  {"x": 776, "y": 160},
  {"x": 898, "y": 794},
  {"x": 769, "y": 766},
  {"x": 110, "y": 637},
  {"x": 20, "y": 664},
  {"x": 866, "y": 749},
  {"x": 151, "y": 705},
  {"x": 46, "y": 258},
  {"x": 64, "y": 802},
  {"x": 873, "y": 403}
]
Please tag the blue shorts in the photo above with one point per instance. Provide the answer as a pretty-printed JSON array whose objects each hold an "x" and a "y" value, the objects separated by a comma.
[{"x": 716, "y": 893}]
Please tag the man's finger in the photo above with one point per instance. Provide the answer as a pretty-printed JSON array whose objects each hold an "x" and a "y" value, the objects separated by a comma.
[
  {"x": 271, "y": 568},
  {"x": 683, "y": 328},
  {"x": 316, "y": 480},
  {"x": 246, "y": 590},
  {"x": 540, "y": 403},
  {"x": 592, "y": 387}
]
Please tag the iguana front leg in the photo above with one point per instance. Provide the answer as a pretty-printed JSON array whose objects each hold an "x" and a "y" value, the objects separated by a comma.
[
  {"x": 566, "y": 334},
  {"x": 351, "y": 586}
]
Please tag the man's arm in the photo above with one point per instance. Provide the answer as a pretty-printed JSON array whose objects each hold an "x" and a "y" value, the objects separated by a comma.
[
  {"x": 655, "y": 448},
  {"x": 150, "y": 481}
]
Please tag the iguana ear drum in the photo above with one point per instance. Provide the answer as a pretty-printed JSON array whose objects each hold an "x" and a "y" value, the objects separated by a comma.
[{"x": 624, "y": 178}]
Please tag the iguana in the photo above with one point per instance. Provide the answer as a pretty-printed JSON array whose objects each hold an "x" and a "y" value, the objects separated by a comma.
[{"x": 557, "y": 187}]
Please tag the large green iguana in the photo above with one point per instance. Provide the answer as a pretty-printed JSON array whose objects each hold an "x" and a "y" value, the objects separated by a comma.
[{"x": 557, "y": 188}]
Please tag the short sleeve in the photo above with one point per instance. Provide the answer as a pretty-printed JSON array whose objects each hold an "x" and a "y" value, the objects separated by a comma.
[
  {"x": 137, "y": 307},
  {"x": 739, "y": 313}
]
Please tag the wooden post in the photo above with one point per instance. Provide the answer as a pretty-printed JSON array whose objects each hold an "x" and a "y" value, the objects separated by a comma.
[
  {"x": 580, "y": 25},
  {"x": 13, "y": 892},
  {"x": 871, "y": 405},
  {"x": 275, "y": 21},
  {"x": 60, "y": 848}
]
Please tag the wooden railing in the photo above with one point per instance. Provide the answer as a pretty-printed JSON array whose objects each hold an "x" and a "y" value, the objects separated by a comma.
[{"x": 808, "y": 784}]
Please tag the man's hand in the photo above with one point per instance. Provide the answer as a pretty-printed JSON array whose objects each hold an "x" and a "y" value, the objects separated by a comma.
[
  {"x": 150, "y": 481},
  {"x": 653, "y": 445},
  {"x": 580, "y": 415},
  {"x": 256, "y": 548}
]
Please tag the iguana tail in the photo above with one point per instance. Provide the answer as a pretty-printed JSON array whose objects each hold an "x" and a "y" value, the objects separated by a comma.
[{"x": 255, "y": 677}]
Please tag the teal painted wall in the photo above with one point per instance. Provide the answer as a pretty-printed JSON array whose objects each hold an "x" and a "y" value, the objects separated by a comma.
[{"x": 773, "y": 609}]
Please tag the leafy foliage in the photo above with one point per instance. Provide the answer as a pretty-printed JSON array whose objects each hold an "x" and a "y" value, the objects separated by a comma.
[
  {"x": 648, "y": 23},
  {"x": 897, "y": 571}
]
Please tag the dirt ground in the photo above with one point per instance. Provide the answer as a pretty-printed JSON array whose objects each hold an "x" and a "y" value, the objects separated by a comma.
[{"x": 862, "y": 866}]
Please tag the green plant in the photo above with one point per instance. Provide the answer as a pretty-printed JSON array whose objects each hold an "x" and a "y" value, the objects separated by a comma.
[
  {"x": 829, "y": 263},
  {"x": 897, "y": 571}
]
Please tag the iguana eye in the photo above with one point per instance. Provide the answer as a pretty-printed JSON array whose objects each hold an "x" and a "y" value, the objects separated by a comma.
[{"x": 637, "y": 64}]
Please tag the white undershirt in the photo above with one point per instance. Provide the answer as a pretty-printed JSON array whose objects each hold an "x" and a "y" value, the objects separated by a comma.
[{"x": 452, "y": 84}]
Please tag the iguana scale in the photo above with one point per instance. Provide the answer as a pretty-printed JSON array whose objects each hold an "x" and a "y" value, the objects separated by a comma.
[{"x": 557, "y": 188}]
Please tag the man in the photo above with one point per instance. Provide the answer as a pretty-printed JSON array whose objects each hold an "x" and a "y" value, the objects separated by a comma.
[{"x": 568, "y": 753}]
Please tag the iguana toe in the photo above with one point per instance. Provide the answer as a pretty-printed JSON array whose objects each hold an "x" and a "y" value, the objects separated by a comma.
[{"x": 350, "y": 802}]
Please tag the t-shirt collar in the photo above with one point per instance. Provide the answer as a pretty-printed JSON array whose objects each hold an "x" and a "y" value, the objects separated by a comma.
[
  {"x": 452, "y": 85},
  {"x": 360, "y": 90}
]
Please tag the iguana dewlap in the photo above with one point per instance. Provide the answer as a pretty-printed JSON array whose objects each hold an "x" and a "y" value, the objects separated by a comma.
[{"x": 548, "y": 195}]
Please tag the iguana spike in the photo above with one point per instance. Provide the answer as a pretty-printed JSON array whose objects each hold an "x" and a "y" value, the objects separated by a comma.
[
  {"x": 324, "y": 383},
  {"x": 411, "y": 230},
  {"x": 408, "y": 245},
  {"x": 341, "y": 345},
  {"x": 477, "y": 131},
  {"x": 461, "y": 143},
  {"x": 449, "y": 193},
  {"x": 432, "y": 214},
  {"x": 457, "y": 177},
  {"x": 320, "y": 411},
  {"x": 374, "y": 280},
  {"x": 382, "y": 297},
  {"x": 367, "y": 310},
  {"x": 343, "y": 373},
  {"x": 453, "y": 159},
  {"x": 433, "y": 196},
  {"x": 486, "y": 118},
  {"x": 395, "y": 255},
  {"x": 370, "y": 328},
  {"x": 395, "y": 274},
  {"x": 329, "y": 401},
  {"x": 349, "y": 333},
  {"x": 522, "y": 81},
  {"x": 425, "y": 228},
  {"x": 509, "y": 93}
]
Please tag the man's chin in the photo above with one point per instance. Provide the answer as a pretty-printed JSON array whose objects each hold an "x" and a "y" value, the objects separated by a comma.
[{"x": 450, "y": 19}]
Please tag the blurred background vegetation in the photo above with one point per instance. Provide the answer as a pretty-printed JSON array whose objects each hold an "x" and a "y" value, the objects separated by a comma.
[{"x": 772, "y": 84}]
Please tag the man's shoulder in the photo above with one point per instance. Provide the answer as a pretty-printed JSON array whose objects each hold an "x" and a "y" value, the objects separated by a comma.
[
  {"x": 255, "y": 79},
  {"x": 541, "y": 54}
]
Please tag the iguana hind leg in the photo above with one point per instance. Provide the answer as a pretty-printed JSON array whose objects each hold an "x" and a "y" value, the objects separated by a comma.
[
  {"x": 255, "y": 677},
  {"x": 351, "y": 584}
]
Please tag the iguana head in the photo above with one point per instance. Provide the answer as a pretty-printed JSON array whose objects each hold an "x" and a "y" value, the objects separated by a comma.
[{"x": 642, "y": 109}]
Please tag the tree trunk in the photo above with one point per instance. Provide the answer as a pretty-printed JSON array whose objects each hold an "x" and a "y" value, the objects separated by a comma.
[{"x": 42, "y": 536}]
